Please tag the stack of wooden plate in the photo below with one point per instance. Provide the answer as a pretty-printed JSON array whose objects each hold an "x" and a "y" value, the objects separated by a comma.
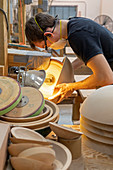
[
  {"x": 97, "y": 120},
  {"x": 30, "y": 150},
  {"x": 25, "y": 106}
]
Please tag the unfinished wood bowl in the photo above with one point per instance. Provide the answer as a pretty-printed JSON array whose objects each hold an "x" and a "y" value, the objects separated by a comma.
[
  {"x": 98, "y": 146},
  {"x": 15, "y": 149},
  {"x": 44, "y": 154},
  {"x": 20, "y": 163},
  {"x": 96, "y": 130},
  {"x": 62, "y": 153},
  {"x": 10, "y": 94},
  {"x": 19, "y": 140},
  {"x": 96, "y": 137},
  {"x": 98, "y": 125},
  {"x": 32, "y": 106},
  {"x": 64, "y": 132},
  {"x": 42, "y": 115},
  {"x": 98, "y": 106},
  {"x": 25, "y": 133}
]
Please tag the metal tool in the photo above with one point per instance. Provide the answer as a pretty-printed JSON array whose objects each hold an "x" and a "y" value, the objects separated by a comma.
[{"x": 32, "y": 78}]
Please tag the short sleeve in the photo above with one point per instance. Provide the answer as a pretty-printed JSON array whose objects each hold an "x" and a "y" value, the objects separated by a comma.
[{"x": 85, "y": 44}]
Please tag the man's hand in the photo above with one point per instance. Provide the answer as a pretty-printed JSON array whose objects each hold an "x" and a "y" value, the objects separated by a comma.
[{"x": 64, "y": 90}]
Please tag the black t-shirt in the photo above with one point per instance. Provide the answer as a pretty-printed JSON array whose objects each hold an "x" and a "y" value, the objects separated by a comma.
[{"x": 87, "y": 39}]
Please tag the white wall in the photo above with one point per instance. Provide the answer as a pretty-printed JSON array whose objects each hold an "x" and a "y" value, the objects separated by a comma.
[
  {"x": 107, "y": 8},
  {"x": 87, "y": 8}
]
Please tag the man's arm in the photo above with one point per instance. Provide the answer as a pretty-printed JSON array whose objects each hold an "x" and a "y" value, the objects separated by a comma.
[
  {"x": 77, "y": 63},
  {"x": 102, "y": 74}
]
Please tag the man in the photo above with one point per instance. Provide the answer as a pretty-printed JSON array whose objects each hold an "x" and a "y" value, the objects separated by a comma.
[{"x": 92, "y": 43}]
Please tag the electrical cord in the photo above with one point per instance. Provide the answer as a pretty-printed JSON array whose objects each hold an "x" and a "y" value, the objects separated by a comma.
[{"x": 5, "y": 18}]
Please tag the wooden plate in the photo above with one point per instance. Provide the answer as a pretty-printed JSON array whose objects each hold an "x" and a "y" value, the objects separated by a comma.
[
  {"x": 41, "y": 124},
  {"x": 64, "y": 132},
  {"x": 10, "y": 94},
  {"x": 42, "y": 115},
  {"x": 34, "y": 104}
]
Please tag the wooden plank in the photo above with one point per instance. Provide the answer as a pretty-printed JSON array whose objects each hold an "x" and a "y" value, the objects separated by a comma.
[
  {"x": 9, "y": 33},
  {"x": 3, "y": 36},
  {"x": 28, "y": 53},
  {"x": 2, "y": 70},
  {"x": 4, "y": 134},
  {"x": 21, "y": 20}
]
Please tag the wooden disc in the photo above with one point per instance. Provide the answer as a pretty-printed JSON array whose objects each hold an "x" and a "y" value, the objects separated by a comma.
[
  {"x": 10, "y": 94},
  {"x": 34, "y": 105},
  {"x": 42, "y": 115},
  {"x": 39, "y": 124}
]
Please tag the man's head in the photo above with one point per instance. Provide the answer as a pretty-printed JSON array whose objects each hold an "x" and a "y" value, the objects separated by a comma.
[{"x": 40, "y": 27}]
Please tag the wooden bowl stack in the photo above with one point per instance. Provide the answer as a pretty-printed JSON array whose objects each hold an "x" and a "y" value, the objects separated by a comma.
[
  {"x": 25, "y": 107},
  {"x": 30, "y": 150},
  {"x": 97, "y": 120}
]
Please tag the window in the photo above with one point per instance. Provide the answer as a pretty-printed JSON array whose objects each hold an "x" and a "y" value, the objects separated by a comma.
[{"x": 64, "y": 12}]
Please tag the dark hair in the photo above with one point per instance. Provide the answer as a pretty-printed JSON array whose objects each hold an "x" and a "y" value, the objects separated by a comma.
[{"x": 33, "y": 32}]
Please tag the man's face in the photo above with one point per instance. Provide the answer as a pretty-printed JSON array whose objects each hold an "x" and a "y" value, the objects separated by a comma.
[{"x": 42, "y": 43}]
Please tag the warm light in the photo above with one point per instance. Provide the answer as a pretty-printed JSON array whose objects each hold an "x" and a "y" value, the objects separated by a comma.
[{"x": 52, "y": 76}]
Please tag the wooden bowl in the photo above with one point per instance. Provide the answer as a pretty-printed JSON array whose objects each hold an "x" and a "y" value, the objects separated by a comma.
[
  {"x": 29, "y": 164},
  {"x": 101, "y": 126},
  {"x": 63, "y": 154},
  {"x": 42, "y": 115},
  {"x": 44, "y": 154},
  {"x": 94, "y": 136},
  {"x": 96, "y": 130},
  {"x": 98, "y": 106},
  {"x": 98, "y": 146},
  {"x": 25, "y": 133},
  {"x": 39, "y": 125},
  {"x": 19, "y": 140},
  {"x": 64, "y": 132},
  {"x": 16, "y": 149}
]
